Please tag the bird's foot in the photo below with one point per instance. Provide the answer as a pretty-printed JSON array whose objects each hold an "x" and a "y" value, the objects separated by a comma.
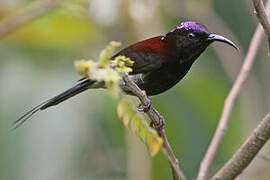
[
  {"x": 144, "y": 108},
  {"x": 160, "y": 124}
]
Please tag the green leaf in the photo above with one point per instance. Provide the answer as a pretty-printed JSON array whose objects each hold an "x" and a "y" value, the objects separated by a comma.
[
  {"x": 122, "y": 64},
  {"x": 106, "y": 54},
  {"x": 83, "y": 67},
  {"x": 139, "y": 126}
]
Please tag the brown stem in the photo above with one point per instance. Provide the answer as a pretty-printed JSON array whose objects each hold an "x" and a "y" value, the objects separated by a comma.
[
  {"x": 263, "y": 18},
  {"x": 246, "y": 153},
  {"x": 156, "y": 118},
  {"x": 230, "y": 100}
]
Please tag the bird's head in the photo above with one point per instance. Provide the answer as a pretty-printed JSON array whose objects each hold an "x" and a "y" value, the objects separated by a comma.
[{"x": 191, "y": 39}]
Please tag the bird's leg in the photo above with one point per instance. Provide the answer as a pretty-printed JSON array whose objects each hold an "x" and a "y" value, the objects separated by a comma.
[{"x": 144, "y": 107}]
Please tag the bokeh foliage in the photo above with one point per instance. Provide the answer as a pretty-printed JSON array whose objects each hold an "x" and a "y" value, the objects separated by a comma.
[{"x": 83, "y": 137}]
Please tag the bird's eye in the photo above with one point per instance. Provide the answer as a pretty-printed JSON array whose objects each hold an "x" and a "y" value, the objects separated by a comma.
[{"x": 191, "y": 36}]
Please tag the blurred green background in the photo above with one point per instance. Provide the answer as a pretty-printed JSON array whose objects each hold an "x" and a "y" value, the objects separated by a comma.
[{"x": 82, "y": 138}]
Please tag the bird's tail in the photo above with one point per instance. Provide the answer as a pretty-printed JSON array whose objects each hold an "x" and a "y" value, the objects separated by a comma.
[{"x": 80, "y": 87}]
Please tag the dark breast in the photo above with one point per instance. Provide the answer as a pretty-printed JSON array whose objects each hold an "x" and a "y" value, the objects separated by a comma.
[{"x": 166, "y": 77}]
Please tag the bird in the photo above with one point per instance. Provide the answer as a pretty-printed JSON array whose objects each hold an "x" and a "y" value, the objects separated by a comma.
[{"x": 159, "y": 63}]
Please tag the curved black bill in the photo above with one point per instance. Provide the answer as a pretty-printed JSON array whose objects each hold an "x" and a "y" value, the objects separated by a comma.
[{"x": 215, "y": 37}]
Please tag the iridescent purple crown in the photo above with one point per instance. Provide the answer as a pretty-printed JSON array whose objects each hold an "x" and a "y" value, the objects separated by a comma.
[{"x": 190, "y": 25}]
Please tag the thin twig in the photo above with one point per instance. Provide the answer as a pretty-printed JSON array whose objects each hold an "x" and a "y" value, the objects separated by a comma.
[
  {"x": 156, "y": 118},
  {"x": 229, "y": 102},
  {"x": 25, "y": 15},
  {"x": 263, "y": 18},
  {"x": 246, "y": 153}
]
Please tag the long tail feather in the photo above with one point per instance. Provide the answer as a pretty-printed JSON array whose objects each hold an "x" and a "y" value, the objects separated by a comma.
[{"x": 82, "y": 86}]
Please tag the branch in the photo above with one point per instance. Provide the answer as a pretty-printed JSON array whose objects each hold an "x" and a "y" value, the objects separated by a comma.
[
  {"x": 156, "y": 118},
  {"x": 230, "y": 100},
  {"x": 25, "y": 15},
  {"x": 246, "y": 153},
  {"x": 263, "y": 18}
]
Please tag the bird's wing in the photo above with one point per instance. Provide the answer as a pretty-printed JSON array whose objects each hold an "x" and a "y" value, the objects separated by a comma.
[{"x": 148, "y": 55}]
